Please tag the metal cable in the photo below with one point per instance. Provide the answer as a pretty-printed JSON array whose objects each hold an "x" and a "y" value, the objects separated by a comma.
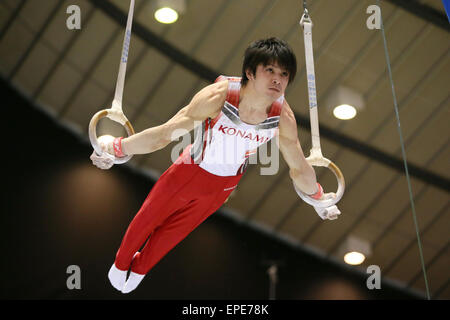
[{"x": 403, "y": 152}]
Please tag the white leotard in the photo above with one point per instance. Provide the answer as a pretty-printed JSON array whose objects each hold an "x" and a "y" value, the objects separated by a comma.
[{"x": 223, "y": 145}]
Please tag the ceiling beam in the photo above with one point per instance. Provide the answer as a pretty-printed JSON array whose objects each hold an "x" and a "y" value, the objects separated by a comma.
[
  {"x": 156, "y": 42},
  {"x": 210, "y": 75},
  {"x": 424, "y": 12}
]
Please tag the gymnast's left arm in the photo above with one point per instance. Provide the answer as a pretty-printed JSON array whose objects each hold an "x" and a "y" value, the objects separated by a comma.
[{"x": 300, "y": 171}]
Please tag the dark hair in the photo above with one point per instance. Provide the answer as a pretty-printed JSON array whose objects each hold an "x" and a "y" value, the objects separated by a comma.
[{"x": 268, "y": 51}]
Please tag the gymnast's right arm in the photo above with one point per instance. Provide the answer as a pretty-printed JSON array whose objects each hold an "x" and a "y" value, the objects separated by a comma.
[{"x": 206, "y": 103}]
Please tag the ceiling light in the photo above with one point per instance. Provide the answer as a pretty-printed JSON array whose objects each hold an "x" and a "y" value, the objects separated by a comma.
[
  {"x": 354, "y": 258},
  {"x": 168, "y": 11},
  {"x": 345, "y": 102},
  {"x": 354, "y": 250},
  {"x": 166, "y": 15},
  {"x": 344, "y": 112}
]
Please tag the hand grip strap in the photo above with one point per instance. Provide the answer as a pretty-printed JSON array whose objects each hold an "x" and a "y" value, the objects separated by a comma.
[{"x": 117, "y": 145}]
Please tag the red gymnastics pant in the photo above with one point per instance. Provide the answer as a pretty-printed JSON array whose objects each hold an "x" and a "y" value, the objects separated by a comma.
[{"x": 182, "y": 198}]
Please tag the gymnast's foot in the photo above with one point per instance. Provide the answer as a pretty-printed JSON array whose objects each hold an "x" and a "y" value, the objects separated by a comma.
[
  {"x": 133, "y": 281},
  {"x": 117, "y": 277}
]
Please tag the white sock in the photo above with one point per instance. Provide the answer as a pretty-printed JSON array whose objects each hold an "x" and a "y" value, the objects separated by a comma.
[
  {"x": 133, "y": 281},
  {"x": 117, "y": 277}
]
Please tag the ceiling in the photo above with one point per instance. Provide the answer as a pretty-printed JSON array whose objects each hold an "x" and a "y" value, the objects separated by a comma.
[{"x": 71, "y": 74}]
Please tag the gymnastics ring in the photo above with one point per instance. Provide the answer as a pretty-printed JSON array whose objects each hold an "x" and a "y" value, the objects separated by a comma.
[
  {"x": 317, "y": 160},
  {"x": 114, "y": 115}
]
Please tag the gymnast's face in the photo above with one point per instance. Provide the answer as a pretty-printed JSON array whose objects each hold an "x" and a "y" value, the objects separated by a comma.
[{"x": 270, "y": 80}]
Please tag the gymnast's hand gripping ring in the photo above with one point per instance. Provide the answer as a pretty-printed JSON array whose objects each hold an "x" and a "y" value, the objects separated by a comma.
[
  {"x": 115, "y": 115},
  {"x": 316, "y": 159}
]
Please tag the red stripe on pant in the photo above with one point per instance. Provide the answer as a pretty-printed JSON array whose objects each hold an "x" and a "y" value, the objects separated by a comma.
[{"x": 182, "y": 198}]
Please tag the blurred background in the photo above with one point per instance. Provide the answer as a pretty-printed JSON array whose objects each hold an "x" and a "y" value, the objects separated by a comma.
[{"x": 59, "y": 210}]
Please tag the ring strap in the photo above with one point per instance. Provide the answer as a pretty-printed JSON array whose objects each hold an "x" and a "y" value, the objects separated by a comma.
[{"x": 307, "y": 25}]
